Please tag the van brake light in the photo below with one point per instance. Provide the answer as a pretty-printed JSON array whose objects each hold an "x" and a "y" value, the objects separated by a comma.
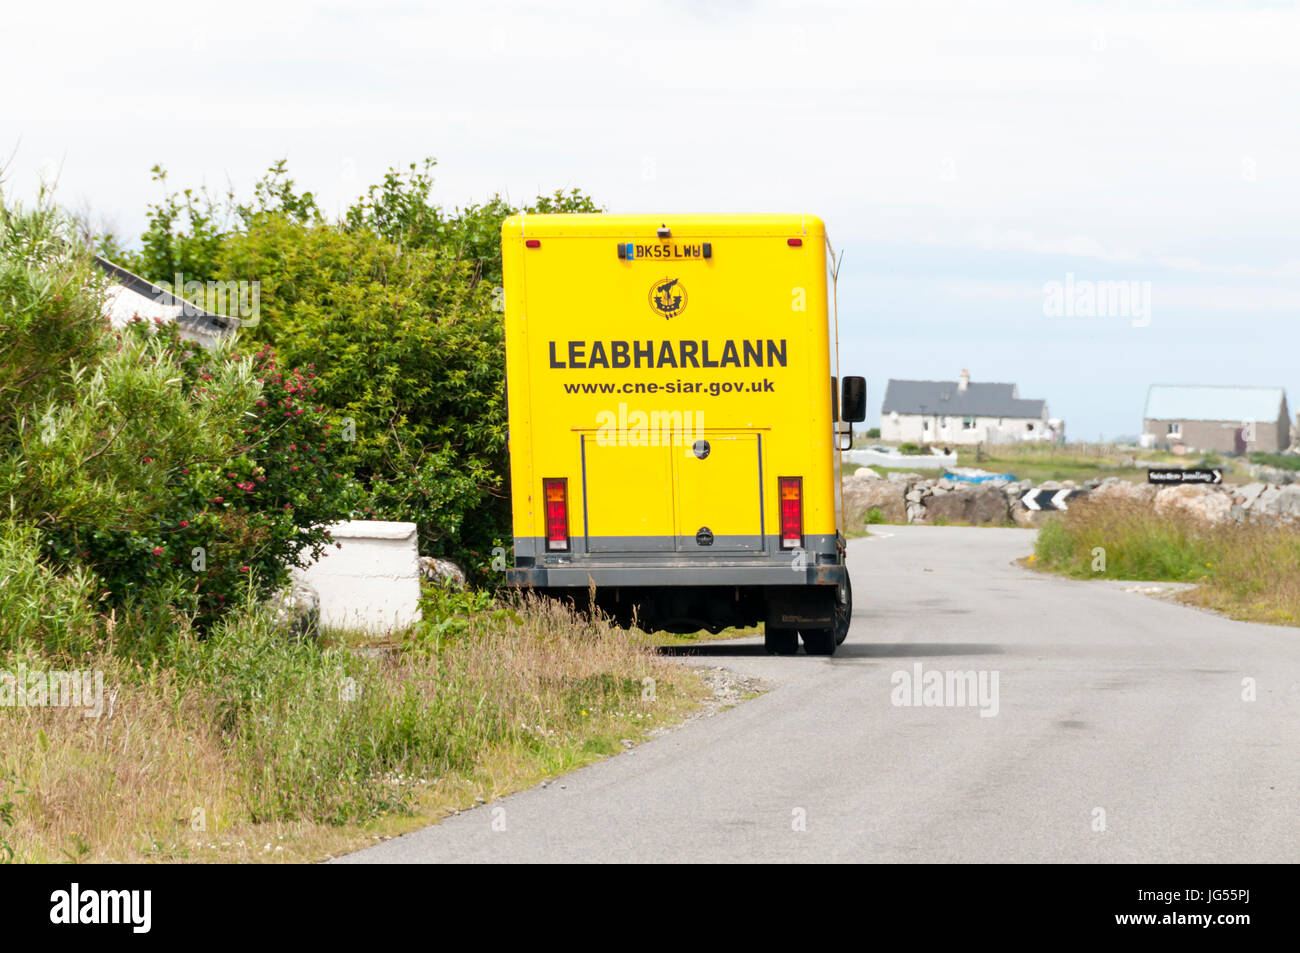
[
  {"x": 791, "y": 496},
  {"x": 555, "y": 493}
]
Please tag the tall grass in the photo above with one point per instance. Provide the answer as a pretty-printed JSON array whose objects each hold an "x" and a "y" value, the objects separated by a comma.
[
  {"x": 249, "y": 728},
  {"x": 1250, "y": 570}
]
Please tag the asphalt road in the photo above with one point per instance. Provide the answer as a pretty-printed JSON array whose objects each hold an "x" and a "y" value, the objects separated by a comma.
[{"x": 1107, "y": 701}]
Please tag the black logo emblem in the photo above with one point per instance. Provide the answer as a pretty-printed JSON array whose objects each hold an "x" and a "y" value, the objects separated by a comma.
[{"x": 668, "y": 297}]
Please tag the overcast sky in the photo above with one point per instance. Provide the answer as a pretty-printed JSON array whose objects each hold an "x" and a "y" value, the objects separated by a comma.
[{"x": 963, "y": 155}]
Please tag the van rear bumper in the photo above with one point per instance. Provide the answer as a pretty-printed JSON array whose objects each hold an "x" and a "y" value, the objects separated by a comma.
[
  {"x": 653, "y": 562},
  {"x": 585, "y": 576}
]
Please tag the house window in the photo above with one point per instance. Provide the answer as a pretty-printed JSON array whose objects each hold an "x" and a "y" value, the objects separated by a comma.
[
  {"x": 968, "y": 423},
  {"x": 944, "y": 423},
  {"x": 925, "y": 423},
  {"x": 1029, "y": 427},
  {"x": 1173, "y": 430}
]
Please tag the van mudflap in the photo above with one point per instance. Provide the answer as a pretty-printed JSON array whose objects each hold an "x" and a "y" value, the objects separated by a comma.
[{"x": 801, "y": 607}]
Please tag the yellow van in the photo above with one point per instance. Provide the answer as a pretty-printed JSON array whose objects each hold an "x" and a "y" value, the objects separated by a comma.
[{"x": 675, "y": 420}]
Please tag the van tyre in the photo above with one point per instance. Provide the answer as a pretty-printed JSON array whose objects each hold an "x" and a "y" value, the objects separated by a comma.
[
  {"x": 843, "y": 610},
  {"x": 780, "y": 641}
]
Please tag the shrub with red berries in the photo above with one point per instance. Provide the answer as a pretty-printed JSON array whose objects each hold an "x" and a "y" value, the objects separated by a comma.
[{"x": 220, "y": 525}]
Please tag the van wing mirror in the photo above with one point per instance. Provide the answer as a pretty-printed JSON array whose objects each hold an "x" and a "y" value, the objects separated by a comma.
[{"x": 853, "y": 400}]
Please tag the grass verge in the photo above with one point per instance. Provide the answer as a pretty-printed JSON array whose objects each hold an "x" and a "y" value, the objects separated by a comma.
[
  {"x": 1248, "y": 571},
  {"x": 249, "y": 746}
]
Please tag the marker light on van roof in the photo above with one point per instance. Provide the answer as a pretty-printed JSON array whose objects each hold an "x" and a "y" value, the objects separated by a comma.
[
  {"x": 533, "y": 243},
  {"x": 794, "y": 242}
]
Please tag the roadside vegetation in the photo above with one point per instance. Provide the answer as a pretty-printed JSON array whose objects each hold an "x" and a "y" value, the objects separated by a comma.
[
  {"x": 1071, "y": 462},
  {"x": 396, "y": 309},
  {"x": 158, "y": 494},
  {"x": 247, "y": 745},
  {"x": 1281, "y": 461},
  {"x": 1249, "y": 571}
]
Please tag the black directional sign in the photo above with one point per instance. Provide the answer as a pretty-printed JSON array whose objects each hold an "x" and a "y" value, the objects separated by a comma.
[
  {"x": 1184, "y": 476},
  {"x": 1048, "y": 499}
]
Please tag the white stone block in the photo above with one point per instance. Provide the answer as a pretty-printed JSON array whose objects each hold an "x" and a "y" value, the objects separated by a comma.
[{"x": 372, "y": 583}]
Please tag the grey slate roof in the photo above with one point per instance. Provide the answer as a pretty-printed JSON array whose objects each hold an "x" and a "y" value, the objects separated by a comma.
[{"x": 944, "y": 397}]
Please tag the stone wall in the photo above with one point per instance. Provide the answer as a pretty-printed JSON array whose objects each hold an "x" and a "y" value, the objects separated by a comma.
[{"x": 912, "y": 498}]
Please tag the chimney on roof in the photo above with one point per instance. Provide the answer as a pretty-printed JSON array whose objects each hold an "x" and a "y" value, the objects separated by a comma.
[{"x": 963, "y": 381}]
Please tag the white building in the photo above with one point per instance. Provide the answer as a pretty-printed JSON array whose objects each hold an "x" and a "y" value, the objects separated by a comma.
[
  {"x": 960, "y": 412},
  {"x": 129, "y": 296}
]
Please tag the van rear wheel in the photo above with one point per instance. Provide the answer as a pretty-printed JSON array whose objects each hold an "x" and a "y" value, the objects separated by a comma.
[
  {"x": 780, "y": 641},
  {"x": 843, "y": 610}
]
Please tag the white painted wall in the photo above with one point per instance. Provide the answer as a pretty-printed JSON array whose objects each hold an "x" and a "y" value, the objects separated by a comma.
[
  {"x": 927, "y": 461},
  {"x": 945, "y": 429},
  {"x": 371, "y": 584},
  {"x": 124, "y": 305}
]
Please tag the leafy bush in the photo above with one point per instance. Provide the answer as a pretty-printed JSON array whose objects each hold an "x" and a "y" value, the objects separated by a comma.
[
  {"x": 409, "y": 357},
  {"x": 40, "y": 608},
  {"x": 397, "y": 306},
  {"x": 401, "y": 211},
  {"x": 174, "y": 477},
  {"x": 179, "y": 477},
  {"x": 264, "y": 508},
  {"x": 51, "y": 315}
]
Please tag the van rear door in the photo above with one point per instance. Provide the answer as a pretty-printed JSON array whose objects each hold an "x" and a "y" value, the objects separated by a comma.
[
  {"x": 718, "y": 493},
  {"x": 625, "y": 508}
]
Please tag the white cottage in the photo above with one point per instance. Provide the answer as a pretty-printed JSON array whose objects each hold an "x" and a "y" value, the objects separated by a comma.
[{"x": 962, "y": 412}]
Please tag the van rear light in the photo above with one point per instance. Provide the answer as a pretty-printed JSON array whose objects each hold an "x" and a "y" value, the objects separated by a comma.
[
  {"x": 533, "y": 243},
  {"x": 794, "y": 242},
  {"x": 556, "y": 494},
  {"x": 791, "y": 495}
]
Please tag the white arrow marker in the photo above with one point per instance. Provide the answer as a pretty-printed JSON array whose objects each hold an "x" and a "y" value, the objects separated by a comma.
[
  {"x": 1055, "y": 502},
  {"x": 1218, "y": 476}
]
